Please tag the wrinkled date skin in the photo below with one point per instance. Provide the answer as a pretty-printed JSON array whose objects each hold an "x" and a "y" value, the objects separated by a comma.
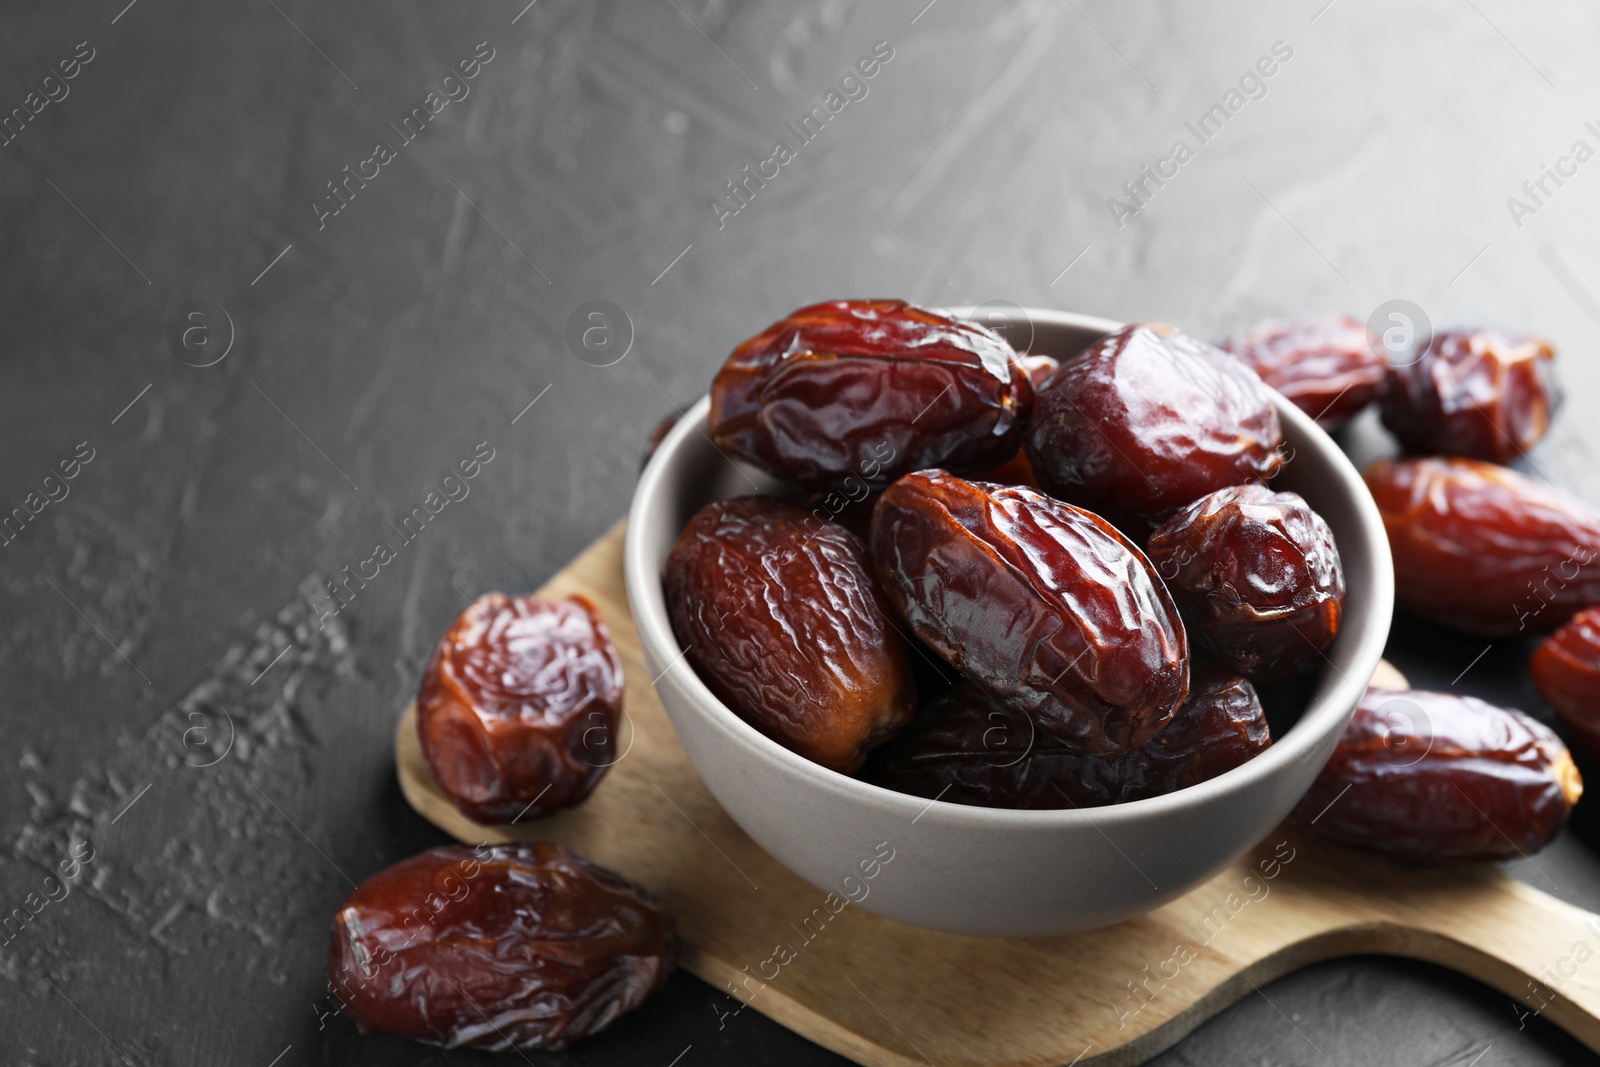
[
  {"x": 1325, "y": 364},
  {"x": 1566, "y": 671},
  {"x": 869, "y": 389},
  {"x": 521, "y": 946},
  {"x": 1044, "y": 605},
  {"x": 1147, "y": 419},
  {"x": 780, "y": 617},
  {"x": 1484, "y": 549},
  {"x": 1257, "y": 577},
  {"x": 967, "y": 748},
  {"x": 1440, "y": 778},
  {"x": 1475, "y": 393},
  {"x": 519, "y": 707}
]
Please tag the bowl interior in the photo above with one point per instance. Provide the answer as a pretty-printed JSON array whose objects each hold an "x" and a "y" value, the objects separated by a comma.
[{"x": 688, "y": 472}]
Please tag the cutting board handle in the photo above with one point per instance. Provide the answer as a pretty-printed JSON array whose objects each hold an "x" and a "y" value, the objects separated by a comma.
[{"x": 1541, "y": 952}]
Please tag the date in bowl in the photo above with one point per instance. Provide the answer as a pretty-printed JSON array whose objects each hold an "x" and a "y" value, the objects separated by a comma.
[{"x": 994, "y": 871}]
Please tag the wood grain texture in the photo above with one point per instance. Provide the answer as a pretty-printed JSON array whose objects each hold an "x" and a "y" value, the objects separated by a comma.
[{"x": 889, "y": 995}]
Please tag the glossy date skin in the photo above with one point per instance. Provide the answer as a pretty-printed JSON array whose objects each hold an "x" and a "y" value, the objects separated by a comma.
[
  {"x": 967, "y": 748},
  {"x": 1566, "y": 672},
  {"x": 869, "y": 389},
  {"x": 1440, "y": 778},
  {"x": 1484, "y": 549},
  {"x": 523, "y": 946},
  {"x": 1046, "y": 606},
  {"x": 1257, "y": 577},
  {"x": 1482, "y": 394},
  {"x": 779, "y": 615},
  {"x": 519, "y": 707},
  {"x": 1324, "y": 364},
  {"x": 1147, "y": 419}
]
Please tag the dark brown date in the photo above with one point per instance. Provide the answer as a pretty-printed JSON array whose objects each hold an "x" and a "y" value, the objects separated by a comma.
[
  {"x": 1147, "y": 419},
  {"x": 1440, "y": 778},
  {"x": 869, "y": 389},
  {"x": 1325, "y": 364},
  {"x": 779, "y": 615},
  {"x": 968, "y": 748},
  {"x": 1482, "y": 394},
  {"x": 1566, "y": 672},
  {"x": 1484, "y": 549},
  {"x": 1257, "y": 577},
  {"x": 1046, "y": 606},
  {"x": 519, "y": 707},
  {"x": 522, "y": 946}
]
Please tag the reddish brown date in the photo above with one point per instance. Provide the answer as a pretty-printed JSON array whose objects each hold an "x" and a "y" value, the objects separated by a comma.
[
  {"x": 1484, "y": 549},
  {"x": 1257, "y": 577},
  {"x": 1046, "y": 606},
  {"x": 968, "y": 748},
  {"x": 1147, "y": 419},
  {"x": 1566, "y": 671},
  {"x": 1440, "y": 778},
  {"x": 869, "y": 389},
  {"x": 1324, "y": 364},
  {"x": 520, "y": 705},
  {"x": 1482, "y": 394},
  {"x": 777, "y": 612},
  {"x": 522, "y": 946}
]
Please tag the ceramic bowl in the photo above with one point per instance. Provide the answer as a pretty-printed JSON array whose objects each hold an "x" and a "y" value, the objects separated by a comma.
[{"x": 993, "y": 871}]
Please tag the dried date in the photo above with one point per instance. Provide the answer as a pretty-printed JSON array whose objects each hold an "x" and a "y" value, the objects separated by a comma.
[
  {"x": 1482, "y": 394},
  {"x": 968, "y": 748},
  {"x": 869, "y": 389},
  {"x": 1566, "y": 672},
  {"x": 1257, "y": 577},
  {"x": 778, "y": 614},
  {"x": 1440, "y": 778},
  {"x": 1484, "y": 549},
  {"x": 522, "y": 946},
  {"x": 1147, "y": 419},
  {"x": 519, "y": 707},
  {"x": 1045, "y": 605},
  {"x": 1325, "y": 364}
]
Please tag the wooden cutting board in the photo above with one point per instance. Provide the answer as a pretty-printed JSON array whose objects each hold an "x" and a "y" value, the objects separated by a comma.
[{"x": 882, "y": 993}]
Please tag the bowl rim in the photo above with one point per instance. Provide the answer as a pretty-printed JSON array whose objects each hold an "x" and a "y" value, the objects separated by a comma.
[{"x": 1326, "y": 715}]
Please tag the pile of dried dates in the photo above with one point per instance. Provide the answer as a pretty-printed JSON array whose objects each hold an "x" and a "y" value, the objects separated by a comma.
[
  {"x": 523, "y": 946},
  {"x": 1000, "y": 580}
]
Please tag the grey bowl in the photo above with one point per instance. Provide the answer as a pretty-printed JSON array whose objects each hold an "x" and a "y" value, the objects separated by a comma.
[{"x": 992, "y": 871}]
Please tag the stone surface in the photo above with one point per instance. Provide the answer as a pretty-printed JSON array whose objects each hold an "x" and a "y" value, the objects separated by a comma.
[{"x": 180, "y": 696}]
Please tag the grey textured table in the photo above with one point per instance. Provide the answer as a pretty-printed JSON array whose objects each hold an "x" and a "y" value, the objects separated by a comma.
[{"x": 207, "y": 188}]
